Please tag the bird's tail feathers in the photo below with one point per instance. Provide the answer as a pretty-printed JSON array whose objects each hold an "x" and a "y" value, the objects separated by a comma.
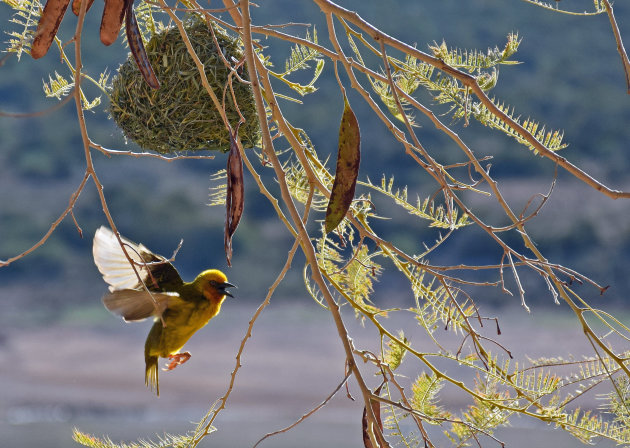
[{"x": 151, "y": 374}]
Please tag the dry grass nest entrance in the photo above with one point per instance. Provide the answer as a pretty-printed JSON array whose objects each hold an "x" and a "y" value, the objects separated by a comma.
[{"x": 180, "y": 115}]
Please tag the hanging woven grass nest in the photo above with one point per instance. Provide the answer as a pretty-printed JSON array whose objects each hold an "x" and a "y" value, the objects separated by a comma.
[{"x": 180, "y": 115}]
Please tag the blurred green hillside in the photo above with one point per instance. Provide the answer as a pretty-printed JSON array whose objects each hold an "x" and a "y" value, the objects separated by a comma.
[{"x": 570, "y": 78}]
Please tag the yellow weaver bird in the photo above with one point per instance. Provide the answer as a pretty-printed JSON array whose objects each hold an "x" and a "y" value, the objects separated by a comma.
[{"x": 179, "y": 308}]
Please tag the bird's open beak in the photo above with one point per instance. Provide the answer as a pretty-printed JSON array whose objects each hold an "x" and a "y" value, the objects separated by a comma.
[{"x": 222, "y": 289}]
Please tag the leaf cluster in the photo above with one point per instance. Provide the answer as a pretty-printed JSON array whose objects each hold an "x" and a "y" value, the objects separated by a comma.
[
  {"x": 437, "y": 215},
  {"x": 351, "y": 269},
  {"x": 410, "y": 74},
  {"x": 301, "y": 58},
  {"x": 26, "y": 15},
  {"x": 598, "y": 7},
  {"x": 167, "y": 441}
]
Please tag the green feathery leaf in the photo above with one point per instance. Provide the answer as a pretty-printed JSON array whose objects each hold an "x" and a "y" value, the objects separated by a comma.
[
  {"x": 312, "y": 288},
  {"x": 395, "y": 352},
  {"x": 433, "y": 304},
  {"x": 167, "y": 441},
  {"x": 482, "y": 417},
  {"x": 551, "y": 139},
  {"x": 58, "y": 87},
  {"x": 426, "y": 209},
  {"x": 598, "y": 4},
  {"x": 146, "y": 21},
  {"x": 26, "y": 16},
  {"x": 301, "y": 58},
  {"x": 218, "y": 191},
  {"x": 425, "y": 398},
  {"x": 299, "y": 187},
  {"x": 475, "y": 61},
  {"x": 618, "y": 401}
]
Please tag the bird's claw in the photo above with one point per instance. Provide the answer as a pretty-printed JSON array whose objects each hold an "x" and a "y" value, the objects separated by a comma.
[{"x": 176, "y": 359}]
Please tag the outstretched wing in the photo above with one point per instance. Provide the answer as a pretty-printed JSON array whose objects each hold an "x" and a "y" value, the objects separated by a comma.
[
  {"x": 134, "y": 305},
  {"x": 157, "y": 273}
]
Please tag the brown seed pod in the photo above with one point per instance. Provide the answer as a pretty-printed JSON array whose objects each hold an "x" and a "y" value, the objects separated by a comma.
[
  {"x": 376, "y": 409},
  {"x": 113, "y": 16},
  {"x": 134, "y": 38},
  {"x": 235, "y": 197},
  {"x": 348, "y": 160},
  {"x": 76, "y": 6},
  {"x": 47, "y": 27}
]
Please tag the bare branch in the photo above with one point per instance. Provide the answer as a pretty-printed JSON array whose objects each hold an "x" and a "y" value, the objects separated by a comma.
[{"x": 620, "y": 48}]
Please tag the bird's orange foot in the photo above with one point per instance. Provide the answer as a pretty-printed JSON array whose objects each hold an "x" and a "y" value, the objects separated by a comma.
[{"x": 176, "y": 359}]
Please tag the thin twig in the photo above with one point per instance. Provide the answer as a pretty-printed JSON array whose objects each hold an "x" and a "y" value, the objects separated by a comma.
[
  {"x": 40, "y": 113},
  {"x": 71, "y": 203},
  {"x": 521, "y": 291},
  {"x": 308, "y": 414},
  {"x": 620, "y": 47},
  {"x": 207, "y": 429},
  {"x": 115, "y": 152}
]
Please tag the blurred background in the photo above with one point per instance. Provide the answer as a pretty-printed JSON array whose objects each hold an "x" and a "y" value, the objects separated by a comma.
[{"x": 65, "y": 361}]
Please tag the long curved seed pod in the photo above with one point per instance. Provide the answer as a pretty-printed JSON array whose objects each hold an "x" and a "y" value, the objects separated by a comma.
[
  {"x": 348, "y": 159},
  {"x": 48, "y": 26},
  {"x": 113, "y": 16},
  {"x": 369, "y": 435},
  {"x": 235, "y": 197},
  {"x": 134, "y": 38},
  {"x": 76, "y": 6}
]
